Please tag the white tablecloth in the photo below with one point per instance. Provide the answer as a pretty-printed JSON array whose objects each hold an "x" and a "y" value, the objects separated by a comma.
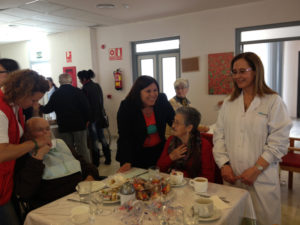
[{"x": 240, "y": 206}]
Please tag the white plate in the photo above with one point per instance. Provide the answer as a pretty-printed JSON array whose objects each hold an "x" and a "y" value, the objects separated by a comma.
[
  {"x": 217, "y": 214},
  {"x": 96, "y": 186},
  {"x": 115, "y": 181},
  {"x": 111, "y": 202},
  {"x": 179, "y": 185}
]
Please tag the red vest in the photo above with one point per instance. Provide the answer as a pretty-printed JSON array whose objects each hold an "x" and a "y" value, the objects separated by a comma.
[{"x": 7, "y": 168}]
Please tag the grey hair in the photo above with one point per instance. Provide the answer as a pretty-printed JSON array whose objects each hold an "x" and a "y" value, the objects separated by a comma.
[
  {"x": 191, "y": 116},
  {"x": 65, "y": 79},
  {"x": 181, "y": 81}
]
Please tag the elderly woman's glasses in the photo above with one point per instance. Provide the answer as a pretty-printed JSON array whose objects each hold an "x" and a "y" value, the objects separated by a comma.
[
  {"x": 177, "y": 123},
  {"x": 241, "y": 71}
]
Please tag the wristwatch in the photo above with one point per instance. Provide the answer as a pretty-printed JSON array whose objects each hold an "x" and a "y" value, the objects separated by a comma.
[{"x": 259, "y": 167}]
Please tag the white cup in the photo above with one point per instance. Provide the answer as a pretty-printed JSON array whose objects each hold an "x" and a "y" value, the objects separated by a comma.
[
  {"x": 204, "y": 207},
  {"x": 80, "y": 214},
  {"x": 199, "y": 183},
  {"x": 84, "y": 189},
  {"x": 176, "y": 177}
]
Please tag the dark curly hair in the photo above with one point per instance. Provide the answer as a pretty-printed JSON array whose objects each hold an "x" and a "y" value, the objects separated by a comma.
[
  {"x": 86, "y": 74},
  {"x": 23, "y": 83}
]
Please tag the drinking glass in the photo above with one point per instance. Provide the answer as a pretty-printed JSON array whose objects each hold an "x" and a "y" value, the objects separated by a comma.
[
  {"x": 84, "y": 189},
  {"x": 153, "y": 172}
]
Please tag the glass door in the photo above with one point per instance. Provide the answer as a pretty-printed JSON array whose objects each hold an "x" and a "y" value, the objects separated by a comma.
[
  {"x": 166, "y": 72},
  {"x": 169, "y": 71},
  {"x": 147, "y": 65}
]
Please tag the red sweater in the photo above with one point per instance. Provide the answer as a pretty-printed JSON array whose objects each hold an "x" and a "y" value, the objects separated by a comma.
[
  {"x": 7, "y": 168},
  {"x": 207, "y": 160}
]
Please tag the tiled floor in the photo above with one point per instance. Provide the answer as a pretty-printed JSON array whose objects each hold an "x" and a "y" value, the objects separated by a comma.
[{"x": 290, "y": 199}]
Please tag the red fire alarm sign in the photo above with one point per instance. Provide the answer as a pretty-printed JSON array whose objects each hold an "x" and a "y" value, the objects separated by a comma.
[
  {"x": 115, "y": 54},
  {"x": 69, "y": 56}
]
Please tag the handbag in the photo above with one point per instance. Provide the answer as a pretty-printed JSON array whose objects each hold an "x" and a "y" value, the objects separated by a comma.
[{"x": 103, "y": 122}]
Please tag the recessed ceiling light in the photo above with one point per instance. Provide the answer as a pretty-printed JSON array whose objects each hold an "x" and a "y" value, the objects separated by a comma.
[
  {"x": 105, "y": 6},
  {"x": 126, "y": 6},
  {"x": 34, "y": 1}
]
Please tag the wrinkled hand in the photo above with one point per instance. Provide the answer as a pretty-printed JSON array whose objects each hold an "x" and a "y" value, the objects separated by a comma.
[
  {"x": 228, "y": 174},
  {"x": 249, "y": 176},
  {"x": 41, "y": 152},
  {"x": 125, "y": 167},
  {"x": 178, "y": 153},
  {"x": 44, "y": 140}
]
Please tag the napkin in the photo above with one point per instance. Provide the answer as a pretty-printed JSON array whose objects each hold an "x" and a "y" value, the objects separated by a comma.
[{"x": 219, "y": 203}]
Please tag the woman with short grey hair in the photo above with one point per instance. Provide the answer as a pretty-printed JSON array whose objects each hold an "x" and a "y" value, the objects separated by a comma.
[{"x": 181, "y": 87}]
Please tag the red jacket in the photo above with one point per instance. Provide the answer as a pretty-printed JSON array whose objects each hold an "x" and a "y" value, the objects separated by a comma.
[
  {"x": 207, "y": 160},
  {"x": 7, "y": 168}
]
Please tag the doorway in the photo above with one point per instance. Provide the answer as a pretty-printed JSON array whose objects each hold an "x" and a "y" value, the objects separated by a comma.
[{"x": 159, "y": 59}]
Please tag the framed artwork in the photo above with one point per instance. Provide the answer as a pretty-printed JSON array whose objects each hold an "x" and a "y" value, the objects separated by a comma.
[
  {"x": 219, "y": 80},
  {"x": 72, "y": 71},
  {"x": 190, "y": 64}
]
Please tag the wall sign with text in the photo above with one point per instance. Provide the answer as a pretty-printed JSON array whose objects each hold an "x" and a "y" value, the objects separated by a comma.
[
  {"x": 115, "y": 54},
  {"x": 69, "y": 56}
]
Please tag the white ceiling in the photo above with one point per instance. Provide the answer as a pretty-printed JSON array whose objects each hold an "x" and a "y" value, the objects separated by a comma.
[{"x": 22, "y": 19}]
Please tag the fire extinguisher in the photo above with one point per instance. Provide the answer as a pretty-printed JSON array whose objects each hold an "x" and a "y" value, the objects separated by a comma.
[{"x": 118, "y": 79}]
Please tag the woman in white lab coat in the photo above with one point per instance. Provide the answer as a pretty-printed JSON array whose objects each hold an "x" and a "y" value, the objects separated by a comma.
[{"x": 251, "y": 136}]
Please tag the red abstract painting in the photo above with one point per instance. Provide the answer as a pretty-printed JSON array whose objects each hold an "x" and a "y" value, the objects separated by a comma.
[{"x": 219, "y": 80}]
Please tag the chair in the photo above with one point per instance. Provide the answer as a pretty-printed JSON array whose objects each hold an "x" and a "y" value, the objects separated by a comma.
[
  {"x": 218, "y": 177},
  {"x": 291, "y": 161}
]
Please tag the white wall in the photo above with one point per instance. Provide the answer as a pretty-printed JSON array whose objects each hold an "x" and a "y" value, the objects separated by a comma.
[
  {"x": 79, "y": 43},
  {"x": 202, "y": 33},
  {"x": 17, "y": 51},
  {"x": 290, "y": 76}
]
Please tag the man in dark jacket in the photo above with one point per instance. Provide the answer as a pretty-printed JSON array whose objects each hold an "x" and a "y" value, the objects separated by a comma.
[{"x": 73, "y": 113}]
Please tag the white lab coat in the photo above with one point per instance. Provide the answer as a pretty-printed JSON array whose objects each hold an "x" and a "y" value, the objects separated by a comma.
[{"x": 242, "y": 137}]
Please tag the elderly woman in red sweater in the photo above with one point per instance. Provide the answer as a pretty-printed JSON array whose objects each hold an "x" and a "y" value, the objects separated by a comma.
[{"x": 187, "y": 150}]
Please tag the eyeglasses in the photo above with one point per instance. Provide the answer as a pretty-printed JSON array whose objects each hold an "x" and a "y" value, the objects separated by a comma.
[
  {"x": 177, "y": 123},
  {"x": 240, "y": 71},
  {"x": 4, "y": 71}
]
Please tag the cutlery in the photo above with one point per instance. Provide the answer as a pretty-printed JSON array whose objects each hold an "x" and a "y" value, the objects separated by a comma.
[
  {"x": 205, "y": 195},
  {"x": 74, "y": 200},
  {"x": 140, "y": 174}
]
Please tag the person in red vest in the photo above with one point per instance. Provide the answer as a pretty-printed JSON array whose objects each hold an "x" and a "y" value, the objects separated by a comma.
[{"x": 20, "y": 90}]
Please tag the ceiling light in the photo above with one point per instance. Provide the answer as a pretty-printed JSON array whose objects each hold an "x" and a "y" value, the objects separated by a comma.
[
  {"x": 126, "y": 6},
  {"x": 27, "y": 3},
  {"x": 105, "y": 6}
]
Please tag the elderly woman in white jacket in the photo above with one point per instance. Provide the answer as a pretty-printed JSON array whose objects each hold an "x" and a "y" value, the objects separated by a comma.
[{"x": 251, "y": 136}]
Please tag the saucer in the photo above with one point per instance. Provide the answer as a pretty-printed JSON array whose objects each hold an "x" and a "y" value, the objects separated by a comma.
[
  {"x": 216, "y": 215},
  {"x": 179, "y": 185},
  {"x": 96, "y": 186}
]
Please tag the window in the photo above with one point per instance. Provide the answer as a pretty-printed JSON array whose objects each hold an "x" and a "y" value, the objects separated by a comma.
[
  {"x": 39, "y": 56},
  {"x": 159, "y": 59},
  {"x": 278, "y": 46}
]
